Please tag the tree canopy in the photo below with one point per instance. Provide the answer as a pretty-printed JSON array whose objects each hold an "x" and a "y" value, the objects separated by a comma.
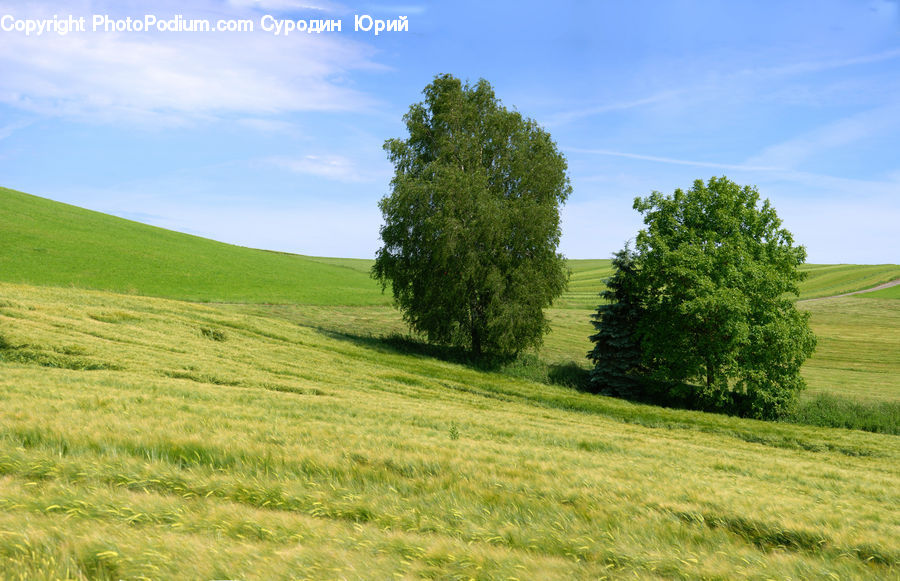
[
  {"x": 471, "y": 226},
  {"x": 710, "y": 284}
]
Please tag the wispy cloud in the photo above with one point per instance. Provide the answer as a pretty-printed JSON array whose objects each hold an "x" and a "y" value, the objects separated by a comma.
[
  {"x": 815, "y": 66},
  {"x": 838, "y": 219},
  {"x": 834, "y": 135},
  {"x": 399, "y": 9},
  {"x": 733, "y": 86},
  {"x": 268, "y": 125},
  {"x": 7, "y": 130},
  {"x": 658, "y": 159},
  {"x": 332, "y": 167},
  {"x": 804, "y": 186},
  {"x": 565, "y": 117}
]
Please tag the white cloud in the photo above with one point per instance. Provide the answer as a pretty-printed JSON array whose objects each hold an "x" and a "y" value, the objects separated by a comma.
[
  {"x": 851, "y": 230},
  {"x": 814, "y": 187},
  {"x": 178, "y": 77},
  {"x": 837, "y": 219},
  {"x": 398, "y": 9},
  {"x": 323, "y": 229},
  {"x": 815, "y": 66},
  {"x": 689, "y": 94},
  {"x": 583, "y": 238}
]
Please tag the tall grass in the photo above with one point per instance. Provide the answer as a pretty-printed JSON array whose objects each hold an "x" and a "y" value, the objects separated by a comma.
[
  {"x": 832, "y": 411},
  {"x": 857, "y": 362},
  {"x": 287, "y": 451}
]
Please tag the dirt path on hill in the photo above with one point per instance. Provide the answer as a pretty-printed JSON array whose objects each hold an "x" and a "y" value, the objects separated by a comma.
[{"x": 866, "y": 290}]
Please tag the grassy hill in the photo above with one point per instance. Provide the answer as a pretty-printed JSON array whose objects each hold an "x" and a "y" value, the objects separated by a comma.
[{"x": 48, "y": 243}]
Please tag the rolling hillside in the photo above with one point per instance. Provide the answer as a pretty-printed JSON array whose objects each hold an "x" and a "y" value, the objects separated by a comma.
[
  {"x": 48, "y": 243},
  {"x": 825, "y": 280}
]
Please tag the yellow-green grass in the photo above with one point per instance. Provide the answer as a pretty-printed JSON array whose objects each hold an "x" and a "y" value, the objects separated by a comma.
[
  {"x": 147, "y": 438},
  {"x": 48, "y": 243},
  {"x": 858, "y": 352}
]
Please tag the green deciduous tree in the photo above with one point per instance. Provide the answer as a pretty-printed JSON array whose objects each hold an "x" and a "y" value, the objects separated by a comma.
[
  {"x": 713, "y": 275},
  {"x": 471, "y": 226}
]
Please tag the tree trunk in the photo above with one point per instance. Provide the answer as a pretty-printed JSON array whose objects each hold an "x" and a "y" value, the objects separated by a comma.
[
  {"x": 476, "y": 341},
  {"x": 476, "y": 320}
]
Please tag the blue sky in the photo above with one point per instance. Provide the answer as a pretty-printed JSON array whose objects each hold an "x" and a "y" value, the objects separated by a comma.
[{"x": 275, "y": 142}]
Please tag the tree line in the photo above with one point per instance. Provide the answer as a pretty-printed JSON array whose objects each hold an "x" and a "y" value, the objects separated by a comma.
[{"x": 699, "y": 312}]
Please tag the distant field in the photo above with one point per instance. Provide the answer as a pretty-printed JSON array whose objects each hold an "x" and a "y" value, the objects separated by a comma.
[
  {"x": 822, "y": 280},
  {"x": 587, "y": 280},
  {"x": 833, "y": 279},
  {"x": 858, "y": 353},
  {"x": 148, "y": 438}
]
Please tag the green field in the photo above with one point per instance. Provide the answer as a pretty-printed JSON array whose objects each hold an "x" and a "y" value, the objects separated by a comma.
[
  {"x": 858, "y": 353},
  {"x": 291, "y": 433}
]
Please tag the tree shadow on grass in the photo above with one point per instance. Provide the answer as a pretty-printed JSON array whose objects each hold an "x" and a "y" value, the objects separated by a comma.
[
  {"x": 523, "y": 366},
  {"x": 530, "y": 367},
  {"x": 570, "y": 374},
  {"x": 398, "y": 344}
]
